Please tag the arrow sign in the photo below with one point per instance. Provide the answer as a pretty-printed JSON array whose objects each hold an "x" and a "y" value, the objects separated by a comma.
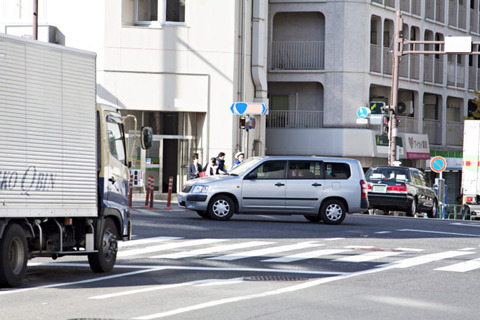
[{"x": 248, "y": 108}]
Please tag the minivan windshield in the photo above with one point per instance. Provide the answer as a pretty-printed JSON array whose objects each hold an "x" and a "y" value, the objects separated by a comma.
[{"x": 244, "y": 166}]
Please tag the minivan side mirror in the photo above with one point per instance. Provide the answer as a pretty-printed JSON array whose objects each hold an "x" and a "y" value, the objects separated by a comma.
[{"x": 146, "y": 138}]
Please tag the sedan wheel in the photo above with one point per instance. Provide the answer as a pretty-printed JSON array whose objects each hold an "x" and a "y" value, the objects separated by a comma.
[
  {"x": 333, "y": 212},
  {"x": 413, "y": 208},
  {"x": 221, "y": 208},
  {"x": 433, "y": 212}
]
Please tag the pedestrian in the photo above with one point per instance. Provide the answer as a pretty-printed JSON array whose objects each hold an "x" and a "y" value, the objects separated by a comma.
[
  {"x": 212, "y": 167},
  {"x": 194, "y": 168},
  {"x": 239, "y": 157},
  {"x": 221, "y": 163}
]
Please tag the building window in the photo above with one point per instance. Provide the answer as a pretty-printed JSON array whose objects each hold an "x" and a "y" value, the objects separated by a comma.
[{"x": 149, "y": 12}]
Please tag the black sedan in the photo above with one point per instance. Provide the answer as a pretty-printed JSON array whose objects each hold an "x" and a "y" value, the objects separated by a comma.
[{"x": 400, "y": 189}]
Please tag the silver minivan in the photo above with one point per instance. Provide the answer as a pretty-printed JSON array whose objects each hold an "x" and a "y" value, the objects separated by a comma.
[{"x": 320, "y": 188}]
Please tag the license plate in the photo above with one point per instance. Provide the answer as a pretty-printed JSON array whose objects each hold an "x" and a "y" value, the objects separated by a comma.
[{"x": 379, "y": 188}]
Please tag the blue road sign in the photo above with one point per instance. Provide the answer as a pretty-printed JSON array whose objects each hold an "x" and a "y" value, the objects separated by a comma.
[
  {"x": 248, "y": 108},
  {"x": 438, "y": 164},
  {"x": 363, "y": 112}
]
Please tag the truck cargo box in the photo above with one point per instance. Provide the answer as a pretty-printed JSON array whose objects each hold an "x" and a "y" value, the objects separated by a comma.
[{"x": 48, "y": 146}]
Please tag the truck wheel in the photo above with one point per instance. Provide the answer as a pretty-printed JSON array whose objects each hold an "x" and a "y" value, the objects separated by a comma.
[
  {"x": 13, "y": 253},
  {"x": 104, "y": 259},
  {"x": 221, "y": 208},
  {"x": 333, "y": 212}
]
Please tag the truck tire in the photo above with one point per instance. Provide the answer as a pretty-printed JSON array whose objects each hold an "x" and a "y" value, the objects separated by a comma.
[
  {"x": 13, "y": 256},
  {"x": 104, "y": 260}
]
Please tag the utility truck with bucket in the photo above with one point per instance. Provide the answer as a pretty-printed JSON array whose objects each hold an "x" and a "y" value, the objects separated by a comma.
[{"x": 63, "y": 160}]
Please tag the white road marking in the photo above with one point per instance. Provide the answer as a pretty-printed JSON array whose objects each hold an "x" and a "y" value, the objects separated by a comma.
[
  {"x": 123, "y": 244},
  {"x": 369, "y": 256},
  {"x": 409, "y": 249},
  {"x": 262, "y": 252},
  {"x": 306, "y": 255},
  {"x": 333, "y": 239},
  {"x": 160, "y": 247},
  {"x": 440, "y": 232},
  {"x": 462, "y": 266},
  {"x": 179, "y": 255},
  {"x": 383, "y": 232},
  {"x": 406, "y": 263},
  {"x": 465, "y": 224}
]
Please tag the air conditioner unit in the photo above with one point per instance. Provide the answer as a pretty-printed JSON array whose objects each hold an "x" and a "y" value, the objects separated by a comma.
[{"x": 405, "y": 108}]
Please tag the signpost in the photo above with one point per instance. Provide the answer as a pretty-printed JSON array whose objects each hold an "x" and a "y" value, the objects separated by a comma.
[
  {"x": 438, "y": 165},
  {"x": 248, "y": 108}
]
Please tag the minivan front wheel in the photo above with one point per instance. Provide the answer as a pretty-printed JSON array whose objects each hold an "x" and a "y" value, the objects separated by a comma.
[
  {"x": 221, "y": 208},
  {"x": 333, "y": 211}
]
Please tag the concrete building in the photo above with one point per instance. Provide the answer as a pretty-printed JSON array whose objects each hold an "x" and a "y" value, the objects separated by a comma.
[{"x": 178, "y": 65}]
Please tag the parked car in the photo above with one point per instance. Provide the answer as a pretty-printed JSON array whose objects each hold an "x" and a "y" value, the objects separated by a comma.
[
  {"x": 400, "y": 189},
  {"x": 318, "y": 188}
]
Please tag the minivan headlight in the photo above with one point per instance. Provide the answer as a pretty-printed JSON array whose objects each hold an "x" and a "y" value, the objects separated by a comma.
[{"x": 199, "y": 189}]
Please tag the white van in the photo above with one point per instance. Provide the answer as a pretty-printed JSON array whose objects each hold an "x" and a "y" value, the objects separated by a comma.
[{"x": 317, "y": 187}]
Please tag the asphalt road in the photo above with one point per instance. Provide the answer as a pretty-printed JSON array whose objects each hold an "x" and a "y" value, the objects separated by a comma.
[{"x": 181, "y": 266}]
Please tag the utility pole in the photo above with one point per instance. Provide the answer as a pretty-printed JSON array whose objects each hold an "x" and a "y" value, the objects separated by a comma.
[
  {"x": 397, "y": 53},
  {"x": 35, "y": 20}
]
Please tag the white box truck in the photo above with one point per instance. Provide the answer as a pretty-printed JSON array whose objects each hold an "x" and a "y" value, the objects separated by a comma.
[
  {"x": 63, "y": 162},
  {"x": 471, "y": 167}
]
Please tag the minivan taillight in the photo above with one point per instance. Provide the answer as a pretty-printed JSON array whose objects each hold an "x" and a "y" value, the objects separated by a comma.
[{"x": 364, "y": 186}]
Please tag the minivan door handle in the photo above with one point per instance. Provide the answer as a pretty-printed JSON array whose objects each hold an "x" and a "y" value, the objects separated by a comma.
[
  {"x": 279, "y": 184},
  {"x": 317, "y": 184}
]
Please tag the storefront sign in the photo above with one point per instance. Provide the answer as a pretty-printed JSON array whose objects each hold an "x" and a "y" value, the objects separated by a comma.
[{"x": 417, "y": 146}]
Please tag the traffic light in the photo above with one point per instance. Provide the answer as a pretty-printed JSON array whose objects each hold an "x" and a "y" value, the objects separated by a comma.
[
  {"x": 242, "y": 122},
  {"x": 384, "y": 125}
]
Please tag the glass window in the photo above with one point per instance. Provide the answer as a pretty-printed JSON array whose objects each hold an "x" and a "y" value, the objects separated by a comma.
[
  {"x": 159, "y": 11},
  {"x": 115, "y": 141},
  {"x": 304, "y": 170},
  {"x": 175, "y": 11},
  {"x": 271, "y": 170},
  {"x": 335, "y": 170}
]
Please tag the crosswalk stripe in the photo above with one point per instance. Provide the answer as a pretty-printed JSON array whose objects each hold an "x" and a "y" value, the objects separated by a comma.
[
  {"x": 167, "y": 246},
  {"x": 462, "y": 266},
  {"x": 131, "y": 243},
  {"x": 306, "y": 255},
  {"x": 369, "y": 256},
  {"x": 262, "y": 252},
  {"x": 191, "y": 253},
  {"x": 406, "y": 263}
]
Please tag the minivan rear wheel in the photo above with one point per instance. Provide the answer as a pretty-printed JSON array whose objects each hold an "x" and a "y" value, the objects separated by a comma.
[
  {"x": 333, "y": 211},
  {"x": 221, "y": 208}
]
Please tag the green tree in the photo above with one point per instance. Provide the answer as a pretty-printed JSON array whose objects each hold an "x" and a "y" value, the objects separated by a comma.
[{"x": 475, "y": 114}]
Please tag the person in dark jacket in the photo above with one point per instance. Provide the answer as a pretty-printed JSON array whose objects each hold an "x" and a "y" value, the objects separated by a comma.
[
  {"x": 221, "y": 163},
  {"x": 194, "y": 168}
]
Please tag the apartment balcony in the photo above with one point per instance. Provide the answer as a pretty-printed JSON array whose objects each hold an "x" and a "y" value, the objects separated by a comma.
[
  {"x": 297, "y": 119},
  {"x": 454, "y": 133},
  {"x": 298, "y": 55}
]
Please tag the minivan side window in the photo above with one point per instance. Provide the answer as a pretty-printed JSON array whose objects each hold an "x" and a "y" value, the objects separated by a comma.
[
  {"x": 304, "y": 170},
  {"x": 271, "y": 170},
  {"x": 334, "y": 170}
]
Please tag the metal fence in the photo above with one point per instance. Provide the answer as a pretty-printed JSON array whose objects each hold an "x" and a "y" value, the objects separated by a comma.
[
  {"x": 298, "y": 55},
  {"x": 294, "y": 119}
]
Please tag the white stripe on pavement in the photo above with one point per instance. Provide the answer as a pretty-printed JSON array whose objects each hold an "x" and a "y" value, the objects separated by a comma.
[
  {"x": 306, "y": 255},
  {"x": 191, "y": 253},
  {"x": 462, "y": 266},
  {"x": 369, "y": 256},
  {"x": 425, "y": 259},
  {"x": 262, "y": 252},
  {"x": 167, "y": 246},
  {"x": 122, "y": 244}
]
